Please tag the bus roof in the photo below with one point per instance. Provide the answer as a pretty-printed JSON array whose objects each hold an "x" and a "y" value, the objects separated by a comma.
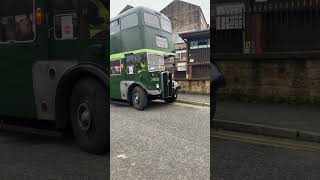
[{"x": 139, "y": 9}]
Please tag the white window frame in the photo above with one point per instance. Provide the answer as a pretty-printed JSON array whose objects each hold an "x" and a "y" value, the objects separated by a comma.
[{"x": 54, "y": 26}]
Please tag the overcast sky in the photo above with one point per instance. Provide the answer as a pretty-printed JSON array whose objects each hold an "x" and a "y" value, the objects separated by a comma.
[{"x": 117, "y": 5}]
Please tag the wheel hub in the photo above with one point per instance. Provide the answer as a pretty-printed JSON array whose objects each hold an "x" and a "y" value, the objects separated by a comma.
[
  {"x": 136, "y": 98},
  {"x": 84, "y": 116}
]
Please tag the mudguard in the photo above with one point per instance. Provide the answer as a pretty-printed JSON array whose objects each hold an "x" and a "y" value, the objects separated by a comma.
[{"x": 176, "y": 85}]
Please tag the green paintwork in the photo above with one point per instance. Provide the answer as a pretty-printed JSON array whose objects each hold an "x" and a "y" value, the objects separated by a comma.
[
  {"x": 17, "y": 59},
  {"x": 140, "y": 39},
  {"x": 122, "y": 55},
  {"x": 140, "y": 36}
]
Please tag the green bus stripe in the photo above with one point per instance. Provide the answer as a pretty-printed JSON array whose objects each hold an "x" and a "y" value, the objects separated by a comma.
[{"x": 122, "y": 55}]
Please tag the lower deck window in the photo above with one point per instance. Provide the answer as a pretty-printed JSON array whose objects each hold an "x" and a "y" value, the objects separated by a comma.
[{"x": 17, "y": 21}]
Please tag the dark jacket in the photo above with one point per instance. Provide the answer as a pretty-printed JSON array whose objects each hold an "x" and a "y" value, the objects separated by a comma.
[{"x": 217, "y": 79}]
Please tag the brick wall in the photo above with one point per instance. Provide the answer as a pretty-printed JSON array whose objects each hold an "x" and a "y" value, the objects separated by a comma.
[{"x": 282, "y": 80}]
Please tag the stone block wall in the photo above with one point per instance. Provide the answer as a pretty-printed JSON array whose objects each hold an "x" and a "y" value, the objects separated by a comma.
[
  {"x": 280, "y": 80},
  {"x": 195, "y": 86}
]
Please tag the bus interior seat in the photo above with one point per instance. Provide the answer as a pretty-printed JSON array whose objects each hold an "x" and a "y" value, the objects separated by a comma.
[{"x": 10, "y": 30}]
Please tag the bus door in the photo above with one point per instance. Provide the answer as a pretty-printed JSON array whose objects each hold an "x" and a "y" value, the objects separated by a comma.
[
  {"x": 117, "y": 73},
  {"x": 23, "y": 41}
]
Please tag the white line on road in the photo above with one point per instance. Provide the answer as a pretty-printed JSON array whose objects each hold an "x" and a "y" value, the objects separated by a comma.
[{"x": 191, "y": 106}]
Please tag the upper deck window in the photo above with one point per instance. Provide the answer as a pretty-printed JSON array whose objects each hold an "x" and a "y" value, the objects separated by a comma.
[
  {"x": 151, "y": 20},
  {"x": 166, "y": 25},
  {"x": 115, "y": 27},
  {"x": 17, "y": 21},
  {"x": 129, "y": 21}
]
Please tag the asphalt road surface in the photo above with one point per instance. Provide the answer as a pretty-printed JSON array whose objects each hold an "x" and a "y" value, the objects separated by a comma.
[
  {"x": 27, "y": 154},
  {"x": 240, "y": 158},
  {"x": 163, "y": 142}
]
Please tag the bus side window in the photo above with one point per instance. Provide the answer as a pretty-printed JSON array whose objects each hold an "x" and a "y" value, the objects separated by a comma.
[
  {"x": 129, "y": 21},
  {"x": 24, "y": 29},
  {"x": 115, "y": 27},
  {"x": 66, "y": 26},
  {"x": 9, "y": 28},
  {"x": 140, "y": 62},
  {"x": 115, "y": 67},
  {"x": 17, "y": 21},
  {"x": 130, "y": 64}
]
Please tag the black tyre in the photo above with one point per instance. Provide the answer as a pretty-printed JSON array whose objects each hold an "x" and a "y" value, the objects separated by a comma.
[
  {"x": 139, "y": 98},
  {"x": 89, "y": 116},
  {"x": 173, "y": 98}
]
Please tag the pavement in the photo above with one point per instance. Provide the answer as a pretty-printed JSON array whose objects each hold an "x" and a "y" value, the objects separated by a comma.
[
  {"x": 299, "y": 122},
  {"x": 299, "y": 117},
  {"x": 237, "y": 159},
  {"x": 165, "y": 141},
  {"x": 195, "y": 99}
]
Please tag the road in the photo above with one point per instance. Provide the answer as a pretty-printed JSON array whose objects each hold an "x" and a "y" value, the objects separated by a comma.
[
  {"x": 163, "y": 142},
  {"x": 240, "y": 156},
  {"x": 28, "y": 154}
]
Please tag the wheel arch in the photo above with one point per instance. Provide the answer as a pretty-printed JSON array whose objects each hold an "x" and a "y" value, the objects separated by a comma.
[
  {"x": 66, "y": 85},
  {"x": 131, "y": 87}
]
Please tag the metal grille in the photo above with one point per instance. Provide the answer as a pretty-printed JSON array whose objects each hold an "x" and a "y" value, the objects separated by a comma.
[
  {"x": 166, "y": 84},
  {"x": 260, "y": 26}
]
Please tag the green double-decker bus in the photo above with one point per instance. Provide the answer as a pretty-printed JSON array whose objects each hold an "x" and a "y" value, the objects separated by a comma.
[
  {"x": 53, "y": 69},
  {"x": 140, "y": 42}
]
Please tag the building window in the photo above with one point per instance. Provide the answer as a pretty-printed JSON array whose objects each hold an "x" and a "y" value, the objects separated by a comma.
[
  {"x": 194, "y": 45},
  {"x": 203, "y": 43},
  {"x": 199, "y": 44},
  {"x": 129, "y": 21},
  {"x": 181, "y": 55},
  {"x": 151, "y": 20},
  {"x": 166, "y": 25}
]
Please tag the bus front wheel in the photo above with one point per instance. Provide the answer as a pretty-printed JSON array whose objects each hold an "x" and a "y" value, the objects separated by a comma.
[
  {"x": 88, "y": 114},
  {"x": 139, "y": 98}
]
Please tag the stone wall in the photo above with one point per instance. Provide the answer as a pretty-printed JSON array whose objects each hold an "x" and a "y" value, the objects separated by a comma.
[
  {"x": 195, "y": 86},
  {"x": 280, "y": 80},
  {"x": 184, "y": 16}
]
